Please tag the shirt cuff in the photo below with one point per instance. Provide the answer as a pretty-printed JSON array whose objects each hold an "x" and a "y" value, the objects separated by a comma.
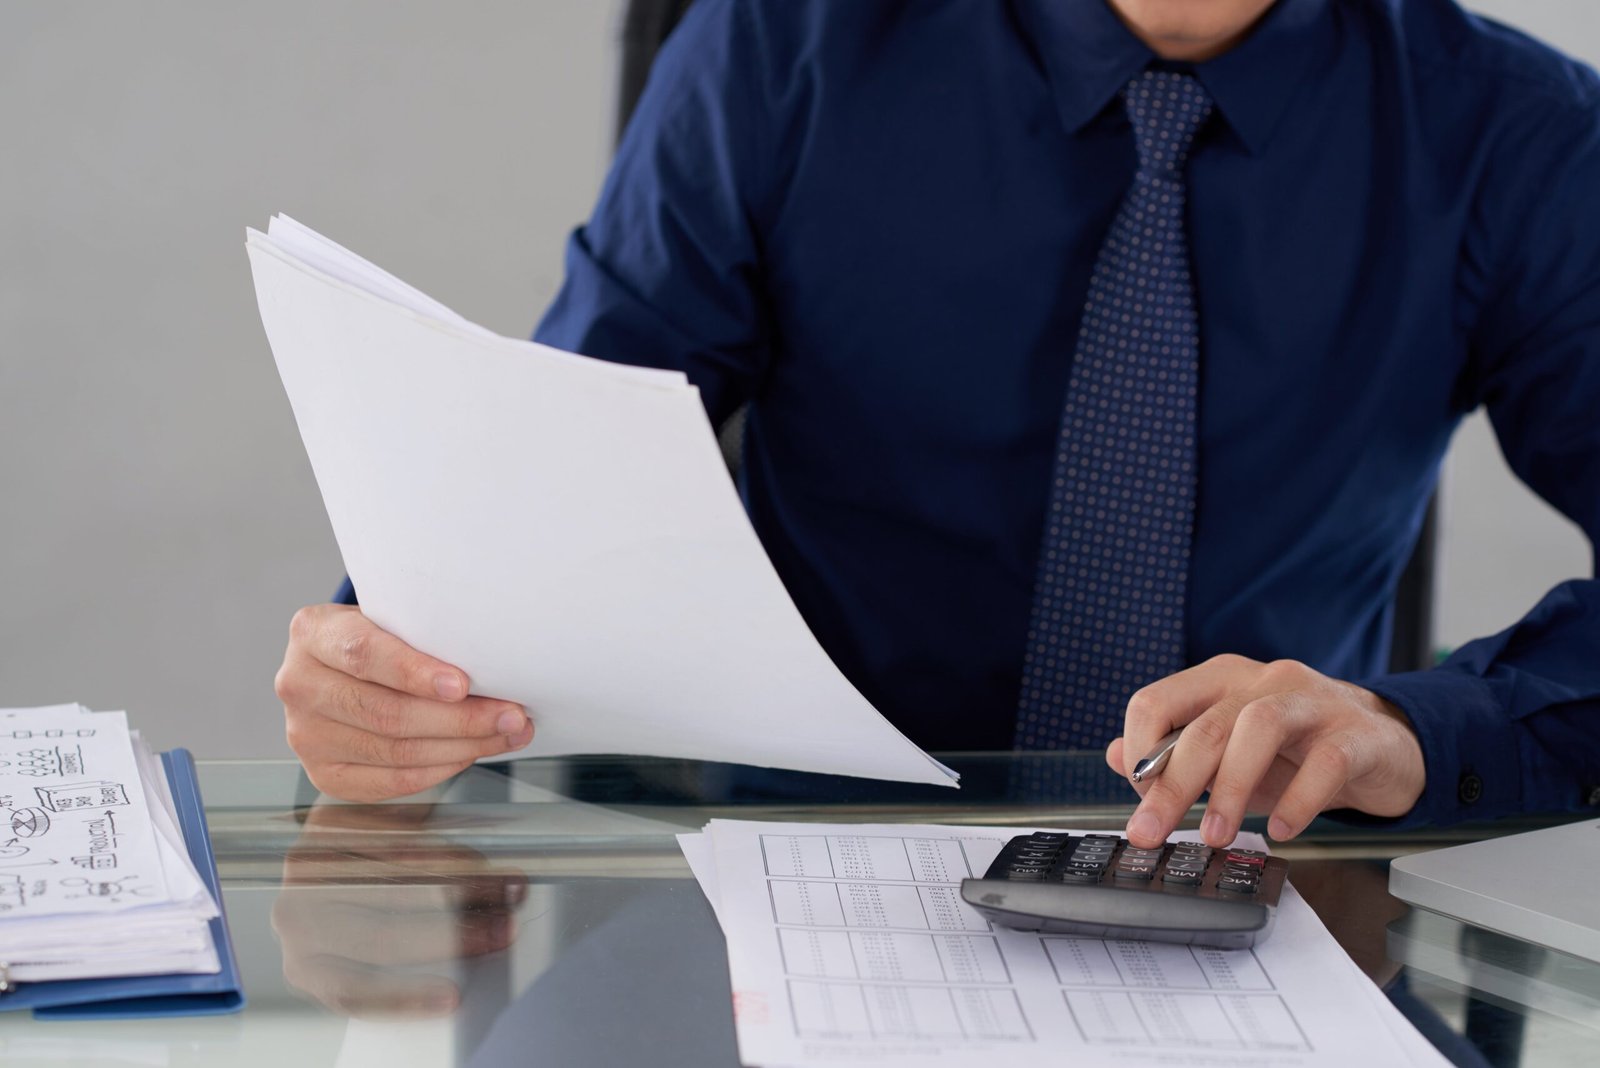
[{"x": 1470, "y": 747}]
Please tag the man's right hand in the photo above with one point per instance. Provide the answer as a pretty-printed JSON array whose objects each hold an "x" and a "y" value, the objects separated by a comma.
[{"x": 371, "y": 718}]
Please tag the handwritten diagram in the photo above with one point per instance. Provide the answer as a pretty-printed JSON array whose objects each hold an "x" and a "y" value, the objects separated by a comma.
[
  {"x": 74, "y": 833},
  {"x": 52, "y": 732},
  {"x": 82, "y": 795},
  {"x": 28, "y": 822},
  {"x": 41, "y": 761},
  {"x": 116, "y": 889}
]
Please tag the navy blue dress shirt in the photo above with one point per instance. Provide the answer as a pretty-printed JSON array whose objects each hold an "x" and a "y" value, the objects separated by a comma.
[{"x": 874, "y": 220}]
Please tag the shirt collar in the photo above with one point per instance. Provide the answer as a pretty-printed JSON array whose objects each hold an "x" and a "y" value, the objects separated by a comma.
[{"x": 1089, "y": 55}]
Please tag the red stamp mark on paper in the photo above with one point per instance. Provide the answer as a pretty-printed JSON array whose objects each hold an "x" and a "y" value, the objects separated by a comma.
[{"x": 751, "y": 1007}]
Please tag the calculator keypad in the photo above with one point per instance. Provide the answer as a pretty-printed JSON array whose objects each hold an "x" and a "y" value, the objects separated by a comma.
[
  {"x": 1103, "y": 886},
  {"x": 1178, "y": 867}
]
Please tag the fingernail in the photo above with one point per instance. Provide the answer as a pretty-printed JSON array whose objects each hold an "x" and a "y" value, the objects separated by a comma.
[
  {"x": 1144, "y": 825},
  {"x": 1277, "y": 828},
  {"x": 511, "y": 723},
  {"x": 1211, "y": 829},
  {"x": 521, "y": 739},
  {"x": 449, "y": 686}
]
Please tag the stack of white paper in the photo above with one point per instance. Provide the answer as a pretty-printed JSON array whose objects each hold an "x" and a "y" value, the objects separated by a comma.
[
  {"x": 95, "y": 879},
  {"x": 850, "y": 945},
  {"x": 561, "y": 528}
]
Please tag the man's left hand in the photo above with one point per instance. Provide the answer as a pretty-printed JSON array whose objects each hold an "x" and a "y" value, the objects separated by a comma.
[{"x": 1278, "y": 738}]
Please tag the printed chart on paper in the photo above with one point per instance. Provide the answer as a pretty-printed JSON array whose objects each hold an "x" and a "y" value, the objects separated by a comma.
[{"x": 851, "y": 945}]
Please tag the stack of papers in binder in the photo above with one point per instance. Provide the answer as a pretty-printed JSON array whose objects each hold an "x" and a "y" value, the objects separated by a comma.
[
  {"x": 97, "y": 876},
  {"x": 561, "y": 528}
]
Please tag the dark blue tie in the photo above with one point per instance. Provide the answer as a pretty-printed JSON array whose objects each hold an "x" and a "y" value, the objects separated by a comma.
[{"x": 1108, "y": 602}]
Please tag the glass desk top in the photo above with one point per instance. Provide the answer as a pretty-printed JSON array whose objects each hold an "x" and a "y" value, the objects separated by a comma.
[{"x": 540, "y": 913}]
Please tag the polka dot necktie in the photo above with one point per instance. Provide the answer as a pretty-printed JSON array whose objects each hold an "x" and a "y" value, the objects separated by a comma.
[{"x": 1114, "y": 561}]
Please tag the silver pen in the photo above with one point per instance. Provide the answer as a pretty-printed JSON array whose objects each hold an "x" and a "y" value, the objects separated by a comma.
[{"x": 1156, "y": 759}]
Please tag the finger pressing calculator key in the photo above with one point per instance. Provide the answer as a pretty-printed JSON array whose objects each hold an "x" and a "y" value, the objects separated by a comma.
[{"x": 1100, "y": 886}]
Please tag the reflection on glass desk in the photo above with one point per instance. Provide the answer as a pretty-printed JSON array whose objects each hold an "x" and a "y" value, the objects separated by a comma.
[{"x": 540, "y": 913}]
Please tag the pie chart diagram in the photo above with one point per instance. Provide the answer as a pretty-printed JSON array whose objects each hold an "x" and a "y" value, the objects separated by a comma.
[{"x": 29, "y": 822}]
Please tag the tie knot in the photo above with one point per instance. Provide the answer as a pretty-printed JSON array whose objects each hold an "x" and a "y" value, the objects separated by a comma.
[{"x": 1166, "y": 109}]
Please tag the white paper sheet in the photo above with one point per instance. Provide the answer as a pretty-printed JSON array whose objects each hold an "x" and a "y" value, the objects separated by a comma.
[
  {"x": 95, "y": 880},
  {"x": 75, "y": 827},
  {"x": 849, "y": 945},
  {"x": 562, "y": 530}
]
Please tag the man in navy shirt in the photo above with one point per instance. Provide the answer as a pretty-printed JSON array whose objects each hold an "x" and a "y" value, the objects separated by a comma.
[{"x": 1101, "y": 356}]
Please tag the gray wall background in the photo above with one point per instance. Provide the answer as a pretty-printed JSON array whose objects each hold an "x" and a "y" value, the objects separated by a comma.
[{"x": 158, "y": 520}]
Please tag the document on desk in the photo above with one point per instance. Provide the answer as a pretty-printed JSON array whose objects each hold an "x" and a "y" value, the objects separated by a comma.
[
  {"x": 849, "y": 945},
  {"x": 95, "y": 878},
  {"x": 561, "y": 528}
]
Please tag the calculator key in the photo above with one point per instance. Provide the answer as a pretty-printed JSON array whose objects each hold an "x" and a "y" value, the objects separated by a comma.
[
  {"x": 1104, "y": 837},
  {"x": 1245, "y": 854},
  {"x": 1237, "y": 886},
  {"x": 1085, "y": 866},
  {"x": 1142, "y": 854},
  {"x": 1048, "y": 837},
  {"x": 1142, "y": 875},
  {"x": 1180, "y": 878},
  {"x": 1186, "y": 865}
]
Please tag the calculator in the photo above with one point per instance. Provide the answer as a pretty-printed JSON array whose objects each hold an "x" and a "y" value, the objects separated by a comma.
[{"x": 1101, "y": 886}]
